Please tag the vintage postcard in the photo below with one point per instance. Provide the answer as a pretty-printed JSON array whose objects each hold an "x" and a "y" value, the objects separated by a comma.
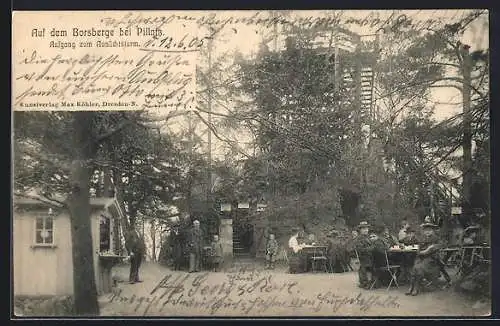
[{"x": 251, "y": 163}]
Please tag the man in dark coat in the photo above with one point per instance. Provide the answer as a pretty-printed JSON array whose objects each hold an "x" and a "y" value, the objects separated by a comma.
[
  {"x": 338, "y": 256},
  {"x": 136, "y": 249},
  {"x": 364, "y": 248},
  {"x": 407, "y": 260},
  {"x": 176, "y": 244},
  {"x": 427, "y": 261},
  {"x": 195, "y": 247},
  {"x": 380, "y": 246}
]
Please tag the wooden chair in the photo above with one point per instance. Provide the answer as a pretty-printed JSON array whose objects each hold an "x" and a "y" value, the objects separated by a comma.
[
  {"x": 392, "y": 269},
  {"x": 284, "y": 255},
  {"x": 319, "y": 257},
  {"x": 356, "y": 261},
  {"x": 471, "y": 253},
  {"x": 454, "y": 257}
]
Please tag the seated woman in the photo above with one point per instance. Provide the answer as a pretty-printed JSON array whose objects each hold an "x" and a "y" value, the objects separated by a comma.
[
  {"x": 411, "y": 237},
  {"x": 296, "y": 259},
  {"x": 311, "y": 239},
  {"x": 470, "y": 236},
  {"x": 389, "y": 239},
  {"x": 470, "y": 239}
]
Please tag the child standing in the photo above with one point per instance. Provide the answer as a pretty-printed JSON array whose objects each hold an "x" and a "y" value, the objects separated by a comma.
[
  {"x": 217, "y": 253},
  {"x": 364, "y": 248},
  {"x": 271, "y": 251}
]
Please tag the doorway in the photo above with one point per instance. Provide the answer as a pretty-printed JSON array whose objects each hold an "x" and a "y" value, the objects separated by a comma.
[{"x": 242, "y": 239}]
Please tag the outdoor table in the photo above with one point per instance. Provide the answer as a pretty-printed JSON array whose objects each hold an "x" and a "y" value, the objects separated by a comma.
[
  {"x": 310, "y": 250},
  {"x": 404, "y": 257},
  {"x": 106, "y": 263}
]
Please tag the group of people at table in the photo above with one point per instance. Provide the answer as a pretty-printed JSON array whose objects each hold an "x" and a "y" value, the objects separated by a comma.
[{"x": 417, "y": 257}]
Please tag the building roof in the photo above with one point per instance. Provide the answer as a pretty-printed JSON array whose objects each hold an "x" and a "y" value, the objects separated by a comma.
[{"x": 102, "y": 202}]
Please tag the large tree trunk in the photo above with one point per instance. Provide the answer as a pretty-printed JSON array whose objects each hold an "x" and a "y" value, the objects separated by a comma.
[
  {"x": 153, "y": 239},
  {"x": 85, "y": 291},
  {"x": 467, "y": 136}
]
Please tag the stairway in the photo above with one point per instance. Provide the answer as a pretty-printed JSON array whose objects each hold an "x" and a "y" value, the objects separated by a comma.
[
  {"x": 239, "y": 250},
  {"x": 367, "y": 82},
  {"x": 366, "y": 87}
]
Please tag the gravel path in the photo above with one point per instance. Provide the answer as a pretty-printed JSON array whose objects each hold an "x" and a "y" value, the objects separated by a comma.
[{"x": 247, "y": 290}]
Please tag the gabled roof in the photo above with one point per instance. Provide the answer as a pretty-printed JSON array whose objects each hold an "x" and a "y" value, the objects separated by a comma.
[{"x": 33, "y": 201}]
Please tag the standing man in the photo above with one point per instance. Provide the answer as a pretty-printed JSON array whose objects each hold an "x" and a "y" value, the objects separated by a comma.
[
  {"x": 177, "y": 250},
  {"x": 136, "y": 250},
  {"x": 195, "y": 247},
  {"x": 364, "y": 248}
]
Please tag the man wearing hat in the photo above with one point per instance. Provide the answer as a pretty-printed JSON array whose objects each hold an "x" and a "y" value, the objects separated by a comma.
[
  {"x": 364, "y": 247},
  {"x": 195, "y": 247},
  {"x": 440, "y": 262},
  {"x": 427, "y": 261},
  {"x": 380, "y": 246},
  {"x": 136, "y": 248}
]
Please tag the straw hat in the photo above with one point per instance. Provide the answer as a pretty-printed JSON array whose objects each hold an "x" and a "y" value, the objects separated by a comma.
[
  {"x": 428, "y": 219},
  {"x": 363, "y": 224},
  {"x": 428, "y": 222},
  {"x": 473, "y": 227},
  {"x": 429, "y": 225}
]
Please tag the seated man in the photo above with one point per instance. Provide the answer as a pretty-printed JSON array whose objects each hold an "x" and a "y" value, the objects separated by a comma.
[
  {"x": 427, "y": 261},
  {"x": 407, "y": 260},
  {"x": 338, "y": 256},
  {"x": 379, "y": 260}
]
